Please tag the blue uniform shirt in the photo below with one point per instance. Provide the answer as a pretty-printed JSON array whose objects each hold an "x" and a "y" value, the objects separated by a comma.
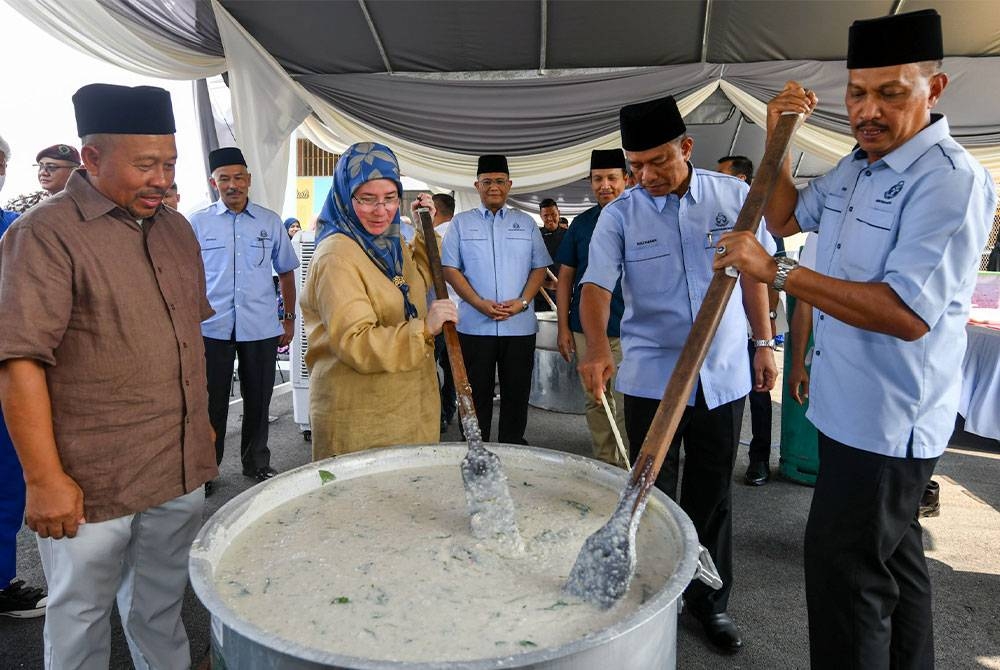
[
  {"x": 239, "y": 252},
  {"x": 496, "y": 253},
  {"x": 663, "y": 254},
  {"x": 917, "y": 220},
  {"x": 573, "y": 252}
]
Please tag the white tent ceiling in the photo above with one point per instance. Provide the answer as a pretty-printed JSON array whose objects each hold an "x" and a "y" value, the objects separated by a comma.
[{"x": 539, "y": 80}]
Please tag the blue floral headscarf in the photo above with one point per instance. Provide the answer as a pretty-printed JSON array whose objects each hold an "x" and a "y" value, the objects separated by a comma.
[{"x": 363, "y": 162}]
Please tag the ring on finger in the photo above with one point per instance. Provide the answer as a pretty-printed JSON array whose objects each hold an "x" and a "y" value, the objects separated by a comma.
[{"x": 721, "y": 250}]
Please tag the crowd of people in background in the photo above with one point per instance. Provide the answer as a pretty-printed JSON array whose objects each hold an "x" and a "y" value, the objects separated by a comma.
[{"x": 131, "y": 319}]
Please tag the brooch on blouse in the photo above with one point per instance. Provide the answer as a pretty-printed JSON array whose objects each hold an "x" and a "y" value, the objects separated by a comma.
[{"x": 398, "y": 281}]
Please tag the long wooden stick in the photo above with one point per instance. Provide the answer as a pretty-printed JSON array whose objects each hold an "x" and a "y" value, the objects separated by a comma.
[
  {"x": 685, "y": 375},
  {"x": 466, "y": 407}
]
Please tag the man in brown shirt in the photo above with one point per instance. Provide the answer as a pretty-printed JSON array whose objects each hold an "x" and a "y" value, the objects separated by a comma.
[{"x": 103, "y": 384}]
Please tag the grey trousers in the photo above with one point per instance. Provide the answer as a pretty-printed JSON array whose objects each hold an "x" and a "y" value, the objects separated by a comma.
[{"x": 141, "y": 560}]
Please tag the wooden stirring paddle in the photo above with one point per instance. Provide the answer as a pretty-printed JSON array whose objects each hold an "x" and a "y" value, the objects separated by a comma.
[
  {"x": 491, "y": 509},
  {"x": 606, "y": 563}
]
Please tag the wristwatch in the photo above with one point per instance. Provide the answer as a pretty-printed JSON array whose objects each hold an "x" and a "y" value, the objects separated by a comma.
[
  {"x": 524, "y": 305},
  {"x": 772, "y": 315},
  {"x": 288, "y": 316},
  {"x": 764, "y": 343},
  {"x": 785, "y": 266}
]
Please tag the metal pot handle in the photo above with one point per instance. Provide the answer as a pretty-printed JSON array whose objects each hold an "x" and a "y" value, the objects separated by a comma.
[{"x": 706, "y": 571}]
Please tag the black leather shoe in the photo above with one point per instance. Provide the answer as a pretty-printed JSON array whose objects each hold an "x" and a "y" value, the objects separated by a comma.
[
  {"x": 758, "y": 473},
  {"x": 930, "y": 501},
  {"x": 209, "y": 487},
  {"x": 722, "y": 632},
  {"x": 261, "y": 474}
]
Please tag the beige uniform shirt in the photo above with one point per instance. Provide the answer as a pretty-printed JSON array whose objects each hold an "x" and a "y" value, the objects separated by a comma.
[{"x": 112, "y": 310}]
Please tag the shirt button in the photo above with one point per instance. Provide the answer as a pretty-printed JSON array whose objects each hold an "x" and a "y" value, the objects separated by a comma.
[
  {"x": 850, "y": 209},
  {"x": 816, "y": 352},
  {"x": 172, "y": 306},
  {"x": 838, "y": 245},
  {"x": 821, "y": 317},
  {"x": 188, "y": 382},
  {"x": 185, "y": 344},
  {"x": 868, "y": 173}
]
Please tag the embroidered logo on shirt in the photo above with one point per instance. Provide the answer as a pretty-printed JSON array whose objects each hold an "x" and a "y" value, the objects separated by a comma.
[
  {"x": 515, "y": 226},
  {"x": 894, "y": 190},
  {"x": 721, "y": 221},
  {"x": 642, "y": 242}
]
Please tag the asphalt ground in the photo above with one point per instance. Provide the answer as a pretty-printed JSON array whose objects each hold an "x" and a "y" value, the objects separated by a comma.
[{"x": 768, "y": 600}]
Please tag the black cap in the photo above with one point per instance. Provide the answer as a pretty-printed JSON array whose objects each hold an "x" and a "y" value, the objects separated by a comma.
[
  {"x": 225, "y": 156},
  {"x": 645, "y": 125},
  {"x": 604, "y": 159},
  {"x": 895, "y": 40},
  {"x": 492, "y": 163},
  {"x": 123, "y": 110}
]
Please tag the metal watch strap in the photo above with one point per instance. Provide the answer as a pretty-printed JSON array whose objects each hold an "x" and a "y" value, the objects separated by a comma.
[
  {"x": 764, "y": 343},
  {"x": 785, "y": 266},
  {"x": 524, "y": 304}
]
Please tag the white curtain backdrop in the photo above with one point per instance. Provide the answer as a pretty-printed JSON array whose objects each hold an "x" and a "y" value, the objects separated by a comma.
[{"x": 269, "y": 105}]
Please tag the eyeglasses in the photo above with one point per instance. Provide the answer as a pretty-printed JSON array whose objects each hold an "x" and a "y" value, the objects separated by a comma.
[
  {"x": 491, "y": 182},
  {"x": 52, "y": 167},
  {"x": 370, "y": 202}
]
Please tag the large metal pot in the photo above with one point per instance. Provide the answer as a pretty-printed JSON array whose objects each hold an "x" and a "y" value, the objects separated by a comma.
[
  {"x": 555, "y": 384},
  {"x": 644, "y": 639}
]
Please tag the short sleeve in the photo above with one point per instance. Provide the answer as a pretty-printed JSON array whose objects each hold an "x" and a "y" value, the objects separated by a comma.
[
  {"x": 809, "y": 208},
  {"x": 283, "y": 255},
  {"x": 606, "y": 252},
  {"x": 36, "y": 282},
  {"x": 451, "y": 255},
  {"x": 539, "y": 254},
  {"x": 945, "y": 218},
  {"x": 566, "y": 253}
]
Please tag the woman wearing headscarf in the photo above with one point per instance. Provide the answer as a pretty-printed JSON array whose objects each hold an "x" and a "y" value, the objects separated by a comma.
[
  {"x": 292, "y": 226},
  {"x": 371, "y": 365}
]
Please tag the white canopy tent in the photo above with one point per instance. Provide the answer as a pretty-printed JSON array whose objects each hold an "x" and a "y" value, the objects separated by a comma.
[{"x": 538, "y": 80}]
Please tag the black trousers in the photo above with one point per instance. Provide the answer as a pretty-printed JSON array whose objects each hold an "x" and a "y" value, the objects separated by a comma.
[
  {"x": 760, "y": 417},
  {"x": 511, "y": 358},
  {"x": 710, "y": 438},
  {"x": 867, "y": 587},
  {"x": 448, "y": 399},
  {"x": 257, "y": 361}
]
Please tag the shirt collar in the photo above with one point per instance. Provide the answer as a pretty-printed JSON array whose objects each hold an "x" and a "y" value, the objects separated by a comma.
[
  {"x": 91, "y": 202},
  {"x": 906, "y": 155},
  {"x": 220, "y": 208},
  {"x": 694, "y": 187},
  {"x": 501, "y": 213}
]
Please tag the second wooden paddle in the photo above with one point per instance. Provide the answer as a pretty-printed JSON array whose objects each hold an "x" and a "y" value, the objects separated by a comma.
[{"x": 605, "y": 564}]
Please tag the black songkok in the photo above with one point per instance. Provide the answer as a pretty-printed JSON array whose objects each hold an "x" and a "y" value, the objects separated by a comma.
[
  {"x": 895, "y": 40},
  {"x": 123, "y": 110},
  {"x": 645, "y": 125},
  {"x": 492, "y": 163},
  {"x": 225, "y": 156},
  {"x": 605, "y": 159}
]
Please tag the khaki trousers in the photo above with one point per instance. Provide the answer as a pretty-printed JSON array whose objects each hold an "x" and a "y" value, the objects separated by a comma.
[{"x": 597, "y": 421}]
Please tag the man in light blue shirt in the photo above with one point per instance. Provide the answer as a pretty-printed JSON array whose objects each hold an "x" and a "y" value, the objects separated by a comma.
[
  {"x": 495, "y": 259},
  {"x": 658, "y": 237},
  {"x": 902, "y": 221},
  {"x": 241, "y": 243}
]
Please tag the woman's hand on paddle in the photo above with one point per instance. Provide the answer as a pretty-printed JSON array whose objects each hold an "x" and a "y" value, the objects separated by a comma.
[
  {"x": 439, "y": 312},
  {"x": 424, "y": 200}
]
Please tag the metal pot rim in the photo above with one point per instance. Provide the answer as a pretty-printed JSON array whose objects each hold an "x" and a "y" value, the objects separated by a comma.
[{"x": 283, "y": 488}]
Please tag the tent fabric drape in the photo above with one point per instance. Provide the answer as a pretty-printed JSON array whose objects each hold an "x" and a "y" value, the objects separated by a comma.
[
  {"x": 547, "y": 123},
  {"x": 87, "y": 26}
]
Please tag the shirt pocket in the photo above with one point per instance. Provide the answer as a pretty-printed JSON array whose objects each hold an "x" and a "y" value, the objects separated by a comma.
[
  {"x": 259, "y": 253},
  {"x": 647, "y": 268},
  {"x": 865, "y": 241},
  {"x": 474, "y": 245}
]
